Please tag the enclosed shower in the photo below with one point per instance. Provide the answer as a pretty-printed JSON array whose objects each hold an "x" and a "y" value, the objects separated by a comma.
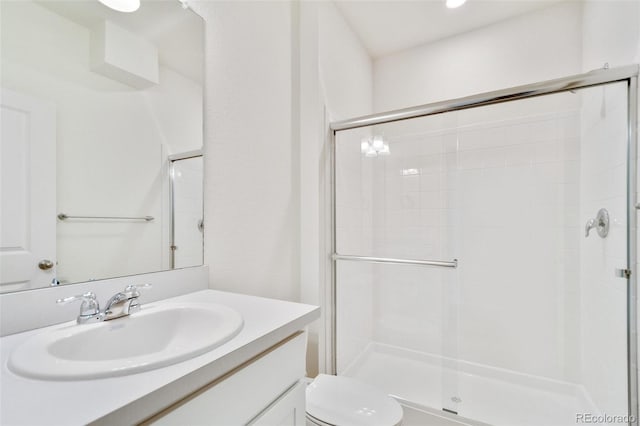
[
  {"x": 186, "y": 209},
  {"x": 484, "y": 252}
]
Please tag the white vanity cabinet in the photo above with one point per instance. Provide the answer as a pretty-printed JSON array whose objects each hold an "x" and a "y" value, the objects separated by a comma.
[
  {"x": 254, "y": 378},
  {"x": 267, "y": 390}
]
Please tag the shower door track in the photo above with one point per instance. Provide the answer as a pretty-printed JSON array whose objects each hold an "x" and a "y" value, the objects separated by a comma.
[
  {"x": 574, "y": 82},
  {"x": 628, "y": 74}
]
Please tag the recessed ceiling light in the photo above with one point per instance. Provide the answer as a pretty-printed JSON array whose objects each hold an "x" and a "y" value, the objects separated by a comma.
[
  {"x": 452, "y": 4},
  {"x": 122, "y": 5}
]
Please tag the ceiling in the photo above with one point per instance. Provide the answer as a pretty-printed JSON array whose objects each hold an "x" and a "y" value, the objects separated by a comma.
[
  {"x": 177, "y": 33},
  {"x": 389, "y": 26},
  {"x": 383, "y": 26}
]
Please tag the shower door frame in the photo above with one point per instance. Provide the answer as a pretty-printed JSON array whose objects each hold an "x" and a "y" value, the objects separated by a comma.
[{"x": 628, "y": 74}]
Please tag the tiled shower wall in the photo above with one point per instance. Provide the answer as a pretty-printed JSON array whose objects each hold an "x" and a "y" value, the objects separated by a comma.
[{"x": 603, "y": 295}]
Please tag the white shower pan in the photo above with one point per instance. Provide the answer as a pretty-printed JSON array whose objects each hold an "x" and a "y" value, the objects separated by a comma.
[{"x": 486, "y": 394}]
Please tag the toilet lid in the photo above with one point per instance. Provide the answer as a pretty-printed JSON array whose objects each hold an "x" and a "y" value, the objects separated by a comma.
[{"x": 339, "y": 400}]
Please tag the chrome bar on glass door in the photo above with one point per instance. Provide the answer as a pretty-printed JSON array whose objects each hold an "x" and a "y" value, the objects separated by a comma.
[
  {"x": 574, "y": 82},
  {"x": 442, "y": 263},
  {"x": 63, "y": 216}
]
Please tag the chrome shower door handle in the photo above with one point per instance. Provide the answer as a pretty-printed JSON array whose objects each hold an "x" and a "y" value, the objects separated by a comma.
[{"x": 601, "y": 223}]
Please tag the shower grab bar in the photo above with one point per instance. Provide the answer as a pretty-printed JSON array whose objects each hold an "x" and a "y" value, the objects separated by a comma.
[
  {"x": 441, "y": 263},
  {"x": 63, "y": 216}
]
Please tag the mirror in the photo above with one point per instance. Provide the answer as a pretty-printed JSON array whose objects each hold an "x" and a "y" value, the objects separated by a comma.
[{"x": 101, "y": 143}]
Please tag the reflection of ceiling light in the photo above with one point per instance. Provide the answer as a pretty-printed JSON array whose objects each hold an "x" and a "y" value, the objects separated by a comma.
[
  {"x": 374, "y": 147},
  {"x": 122, "y": 5},
  {"x": 452, "y": 4},
  {"x": 410, "y": 172},
  {"x": 377, "y": 143}
]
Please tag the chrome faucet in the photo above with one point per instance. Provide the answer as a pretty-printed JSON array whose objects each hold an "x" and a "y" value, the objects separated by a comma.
[
  {"x": 89, "y": 309},
  {"x": 123, "y": 303},
  {"x": 119, "y": 305}
]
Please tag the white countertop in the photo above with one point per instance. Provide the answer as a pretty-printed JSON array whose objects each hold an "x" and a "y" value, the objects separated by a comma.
[{"x": 130, "y": 399}]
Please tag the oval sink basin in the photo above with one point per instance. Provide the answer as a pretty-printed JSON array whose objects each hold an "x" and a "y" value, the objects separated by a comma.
[{"x": 154, "y": 337}]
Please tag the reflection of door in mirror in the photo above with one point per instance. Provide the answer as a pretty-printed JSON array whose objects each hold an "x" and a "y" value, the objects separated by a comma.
[
  {"x": 27, "y": 192},
  {"x": 187, "y": 227}
]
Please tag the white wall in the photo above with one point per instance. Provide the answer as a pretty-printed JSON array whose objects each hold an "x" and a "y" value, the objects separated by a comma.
[
  {"x": 112, "y": 143},
  {"x": 313, "y": 188},
  {"x": 346, "y": 73},
  {"x": 611, "y": 35},
  {"x": 325, "y": 45},
  {"x": 346, "y": 78},
  {"x": 538, "y": 46},
  {"x": 251, "y": 149},
  {"x": 273, "y": 68}
]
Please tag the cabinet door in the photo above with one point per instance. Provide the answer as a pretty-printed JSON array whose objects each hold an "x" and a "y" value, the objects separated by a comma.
[
  {"x": 244, "y": 395},
  {"x": 288, "y": 410}
]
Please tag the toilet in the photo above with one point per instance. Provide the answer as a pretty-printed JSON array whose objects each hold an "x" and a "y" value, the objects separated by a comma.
[{"x": 343, "y": 401}]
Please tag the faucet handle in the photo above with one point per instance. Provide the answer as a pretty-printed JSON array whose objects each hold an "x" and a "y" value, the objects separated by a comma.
[
  {"x": 591, "y": 223},
  {"x": 89, "y": 307},
  {"x": 600, "y": 223},
  {"x": 136, "y": 288},
  {"x": 134, "y": 292},
  {"x": 140, "y": 287},
  {"x": 87, "y": 297}
]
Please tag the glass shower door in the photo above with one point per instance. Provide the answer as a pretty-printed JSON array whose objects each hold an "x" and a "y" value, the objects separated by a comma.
[
  {"x": 391, "y": 276},
  {"x": 531, "y": 327}
]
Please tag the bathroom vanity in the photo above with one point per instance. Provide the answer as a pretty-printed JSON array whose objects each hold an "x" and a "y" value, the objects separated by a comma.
[{"x": 253, "y": 378}]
